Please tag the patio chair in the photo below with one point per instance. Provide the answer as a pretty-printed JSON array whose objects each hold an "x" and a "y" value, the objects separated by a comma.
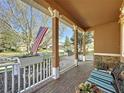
[
  {"x": 102, "y": 73},
  {"x": 108, "y": 82},
  {"x": 102, "y": 78},
  {"x": 104, "y": 86}
]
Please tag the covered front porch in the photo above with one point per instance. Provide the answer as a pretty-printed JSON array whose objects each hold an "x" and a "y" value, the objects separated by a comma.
[{"x": 44, "y": 74}]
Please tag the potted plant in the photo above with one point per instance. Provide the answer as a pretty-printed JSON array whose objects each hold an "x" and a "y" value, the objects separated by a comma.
[{"x": 87, "y": 88}]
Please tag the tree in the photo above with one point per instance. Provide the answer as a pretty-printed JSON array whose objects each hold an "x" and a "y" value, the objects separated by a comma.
[
  {"x": 88, "y": 37},
  {"x": 26, "y": 20},
  {"x": 23, "y": 18},
  {"x": 80, "y": 40},
  {"x": 18, "y": 16},
  {"x": 8, "y": 37},
  {"x": 67, "y": 44}
]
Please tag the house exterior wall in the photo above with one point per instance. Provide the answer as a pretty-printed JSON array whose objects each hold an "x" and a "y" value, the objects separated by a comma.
[
  {"x": 107, "y": 43},
  {"x": 107, "y": 38}
]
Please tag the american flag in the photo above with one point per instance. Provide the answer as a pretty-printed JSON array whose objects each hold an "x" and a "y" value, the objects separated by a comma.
[{"x": 39, "y": 39}]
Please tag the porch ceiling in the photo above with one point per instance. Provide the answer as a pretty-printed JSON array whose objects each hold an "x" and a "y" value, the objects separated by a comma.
[{"x": 88, "y": 13}]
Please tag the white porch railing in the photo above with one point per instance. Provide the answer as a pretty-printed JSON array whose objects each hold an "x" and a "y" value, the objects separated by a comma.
[{"x": 16, "y": 78}]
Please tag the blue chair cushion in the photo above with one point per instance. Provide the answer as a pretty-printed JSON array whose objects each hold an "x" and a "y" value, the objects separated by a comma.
[
  {"x": 101, "y": 77},
  {"x": 102, "y": 73},
  {"x": 108, "y": 87}
]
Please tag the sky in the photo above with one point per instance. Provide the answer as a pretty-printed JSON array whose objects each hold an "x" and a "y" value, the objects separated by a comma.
[{"x": 68, "y": 31}]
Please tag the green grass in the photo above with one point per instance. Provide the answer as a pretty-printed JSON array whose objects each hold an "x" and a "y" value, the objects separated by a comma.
[
  {"x": 89, "y": 52},
  {"x": 9, "y": 68},
  {"x": 10, "y": 54}
]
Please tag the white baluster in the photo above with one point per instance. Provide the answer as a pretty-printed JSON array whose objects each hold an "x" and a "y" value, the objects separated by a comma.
[
  {"x": 34, "y": 74},
  {"x": 50, "y": 67},
  {"x": 29, "y": 74},
  {"x": 47, "y": 67},
  {"x": 5, "y": 80},
  {"x": 44, "y": 69},
  {"x": 40, "y": 71},
  {"x": 18, "y": 78},
  {"x": 13, "y": 79},
  {"x": 37, "y": 73},
  {"x": 24, "y": 79}
]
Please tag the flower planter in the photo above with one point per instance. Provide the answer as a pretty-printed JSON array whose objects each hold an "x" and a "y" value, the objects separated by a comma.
[{"x": 26, "y": 61}]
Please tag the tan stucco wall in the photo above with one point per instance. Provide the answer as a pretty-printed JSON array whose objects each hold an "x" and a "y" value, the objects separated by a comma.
[{"x": 107, "y": 38}]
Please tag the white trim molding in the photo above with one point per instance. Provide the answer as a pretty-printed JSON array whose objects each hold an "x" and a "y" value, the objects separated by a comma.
[
  {"x": 122, "y": 53},
  {"x": 56, "y": 72},
  {"x": 54, "y": 13},
  {"x": 76, "y": 62},
  {"x": 75, "y": 27},
  {"x": 84, "y": 58},
  {"x": 107, "y": 54}
]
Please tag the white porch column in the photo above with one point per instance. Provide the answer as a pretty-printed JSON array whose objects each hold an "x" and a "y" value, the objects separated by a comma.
[{"x": 76, "y": 44}]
